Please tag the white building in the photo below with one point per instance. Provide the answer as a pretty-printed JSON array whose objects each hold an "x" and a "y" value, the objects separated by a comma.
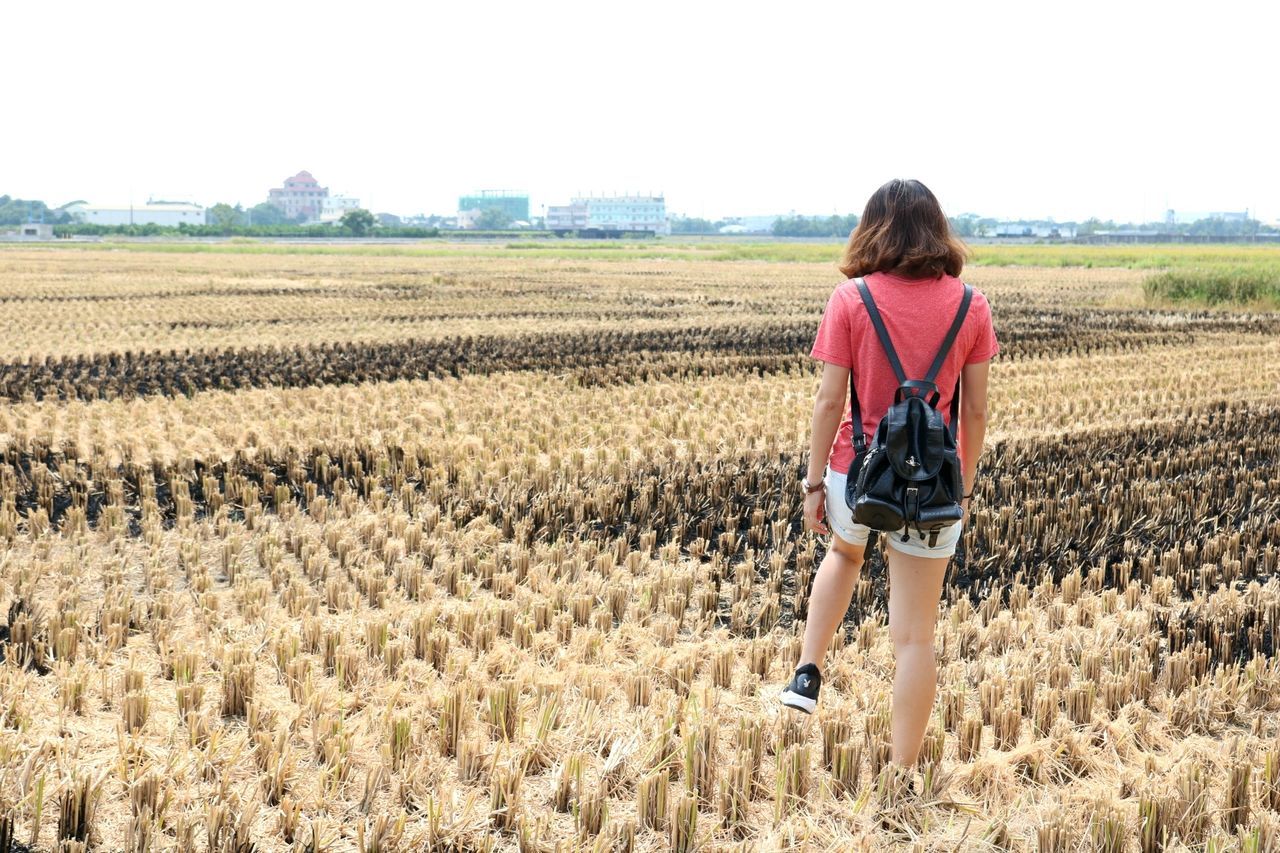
[
  {"x": 749, "y": 224},
  {"x": 29, "y": 231},
  {"x": 165, "y": 213},
  {"x": 1045, "y": 229},
  {"x": 610, "y": 213},
  {"x": 1186, "y": 217},
  {"x": 301, "y": 197},
  {"x": 467, "y": 218},
  {"x": 333, "y": 207},
  {"x": 567, "y": 217}
]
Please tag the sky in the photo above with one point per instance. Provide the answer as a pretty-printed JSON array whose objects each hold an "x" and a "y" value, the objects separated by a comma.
[{"x": 1013, "y": 110}]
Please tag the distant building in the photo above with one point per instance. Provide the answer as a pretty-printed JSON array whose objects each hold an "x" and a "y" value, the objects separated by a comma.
[
  {"x": 1042, "y": 230},
  {"x": 1147, "y": 235},
  {"x": 333, "y": 207},
  {"x": 29, "y": 231},
  {"x": 301, "y": 195},
  {"x": 611, "y": 214},
  {"x": 749, "y": 224},
  {"x": 514, "y": 204},
  {"x": 1173, "y": 217},
  {"x": 468, "y": 218},
  {"x": 567, "y": 217},
  {"x": 161, "y": 213},
  {"x": 422, "y": 220}
]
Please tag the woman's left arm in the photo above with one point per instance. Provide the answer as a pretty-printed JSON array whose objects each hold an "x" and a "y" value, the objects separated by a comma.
[{"x": 827, "y": 411}]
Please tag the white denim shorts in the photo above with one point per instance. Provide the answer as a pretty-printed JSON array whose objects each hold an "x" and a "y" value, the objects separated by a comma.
[{"x": 840, "y": 520}]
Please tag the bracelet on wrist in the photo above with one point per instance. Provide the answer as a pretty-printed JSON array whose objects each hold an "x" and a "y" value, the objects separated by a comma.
[{"x": 810, "y": 488}]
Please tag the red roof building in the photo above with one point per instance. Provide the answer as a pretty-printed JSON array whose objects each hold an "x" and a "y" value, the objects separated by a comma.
[{"x": 301, "y": 195}]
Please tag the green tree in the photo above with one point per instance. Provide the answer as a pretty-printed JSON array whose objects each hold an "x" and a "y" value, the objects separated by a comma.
[
  {"x": 492, "y": 219},
  {"x": 226, "y": 217},
  {"x": 359, "y": 221},
  {"x": 267, "y": 214},
  {"x": 1093, "y": 225},
  {"x": 965, "y": 225},
  {"x": 14, "y": 211},
  {"x": 1220, "y": 226},
  {"x": 694, "y": 225},
  {"x": 815, "y": 226}
]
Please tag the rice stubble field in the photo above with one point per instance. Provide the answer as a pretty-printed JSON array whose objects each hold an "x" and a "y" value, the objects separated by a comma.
[{"x": 501, "y": 550}]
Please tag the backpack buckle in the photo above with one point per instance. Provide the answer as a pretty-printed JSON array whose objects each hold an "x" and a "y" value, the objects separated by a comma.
[{"x": 912, "y": 507}]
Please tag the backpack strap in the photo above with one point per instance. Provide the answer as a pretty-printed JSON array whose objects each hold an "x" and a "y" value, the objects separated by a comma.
[
  {"x": 955, "y": 410},
  {"x": 855, "y": 418},
  {"x": 942, "y": 354},
  {"x": 855, "y": 411},
  {"x": 951, "y": 336},
  {"x": 874, "y": 313}
]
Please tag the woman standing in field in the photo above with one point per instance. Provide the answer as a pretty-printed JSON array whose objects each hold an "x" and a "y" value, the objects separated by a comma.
[{"x": 904, "y": 250}]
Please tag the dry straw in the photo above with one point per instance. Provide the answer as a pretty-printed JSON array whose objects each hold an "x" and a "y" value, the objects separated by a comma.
[{"x": 542, "y": 603}]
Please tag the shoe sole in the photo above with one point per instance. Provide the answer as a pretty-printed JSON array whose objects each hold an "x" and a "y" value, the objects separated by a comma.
[{"x": 800, "y": 703}]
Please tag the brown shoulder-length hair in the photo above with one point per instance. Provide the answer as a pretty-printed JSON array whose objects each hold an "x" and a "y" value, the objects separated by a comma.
[{"x": 903, "y": 231}]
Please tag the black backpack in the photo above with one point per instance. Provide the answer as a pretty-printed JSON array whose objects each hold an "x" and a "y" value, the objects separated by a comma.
[{"x": 910, "y": 476}]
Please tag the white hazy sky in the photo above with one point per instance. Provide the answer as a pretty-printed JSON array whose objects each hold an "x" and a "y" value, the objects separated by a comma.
[{"x": 1068, "y": 109}]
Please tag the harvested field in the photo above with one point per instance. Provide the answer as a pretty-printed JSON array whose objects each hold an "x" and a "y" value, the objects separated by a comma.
[{"x": 463, "y": 553}]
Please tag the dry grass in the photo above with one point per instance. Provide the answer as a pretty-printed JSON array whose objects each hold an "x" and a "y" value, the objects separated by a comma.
[
  {"x": 520, "y": 611},
  {"x": 521, "y": 733},
  {"x": 542, "y": 419},
  {"x": 80, "y": 302}
]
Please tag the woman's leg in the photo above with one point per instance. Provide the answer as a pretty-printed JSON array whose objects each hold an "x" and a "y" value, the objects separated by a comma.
[
  {"x": 829, "y": 600},
  {"x": 915, "y": 586}
]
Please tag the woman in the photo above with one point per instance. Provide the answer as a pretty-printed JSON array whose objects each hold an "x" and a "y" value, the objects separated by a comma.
[{"x": 904, "y": 250}]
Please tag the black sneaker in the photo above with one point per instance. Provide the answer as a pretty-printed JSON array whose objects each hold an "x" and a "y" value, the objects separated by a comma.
[{"x": 802, "y": 692}]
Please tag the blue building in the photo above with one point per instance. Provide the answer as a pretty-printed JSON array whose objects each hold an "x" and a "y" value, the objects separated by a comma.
[{"x": 514, "y": 204}]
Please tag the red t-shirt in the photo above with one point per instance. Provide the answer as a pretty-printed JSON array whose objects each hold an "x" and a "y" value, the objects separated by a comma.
[{"x": 917, "y": 313}]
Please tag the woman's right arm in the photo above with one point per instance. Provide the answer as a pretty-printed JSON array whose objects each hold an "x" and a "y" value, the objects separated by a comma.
[
  {"x": 973, "y": 420},
  {"x": 828, "y": 408}
]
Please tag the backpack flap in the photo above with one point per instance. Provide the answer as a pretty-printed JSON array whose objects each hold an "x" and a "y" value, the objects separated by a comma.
[
  {"x": 914, "y": 439},
  {"x": 931, "y": 505},
  {"x": 939, "y": 515}
]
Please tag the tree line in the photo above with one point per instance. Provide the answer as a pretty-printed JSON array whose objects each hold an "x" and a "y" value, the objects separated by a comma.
[
  {"x": 266, "y": 220},
  {"x": 186, "y": 230},
  {"x": 15, "y": 211}
]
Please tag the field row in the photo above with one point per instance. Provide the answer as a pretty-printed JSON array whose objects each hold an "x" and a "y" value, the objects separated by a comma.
[
  {"x": 66, "y": 303},
  {"x": 1044, "y": 497},
  {"x": 487, "y": 425},
  {"x": 704, "y": 250},
  {"x": 609, "y": 356},
  {"x": 472, "y": 665}
]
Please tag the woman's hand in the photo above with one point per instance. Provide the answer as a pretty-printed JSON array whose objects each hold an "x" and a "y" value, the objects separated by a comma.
[{"x": 815, "y": 507}]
